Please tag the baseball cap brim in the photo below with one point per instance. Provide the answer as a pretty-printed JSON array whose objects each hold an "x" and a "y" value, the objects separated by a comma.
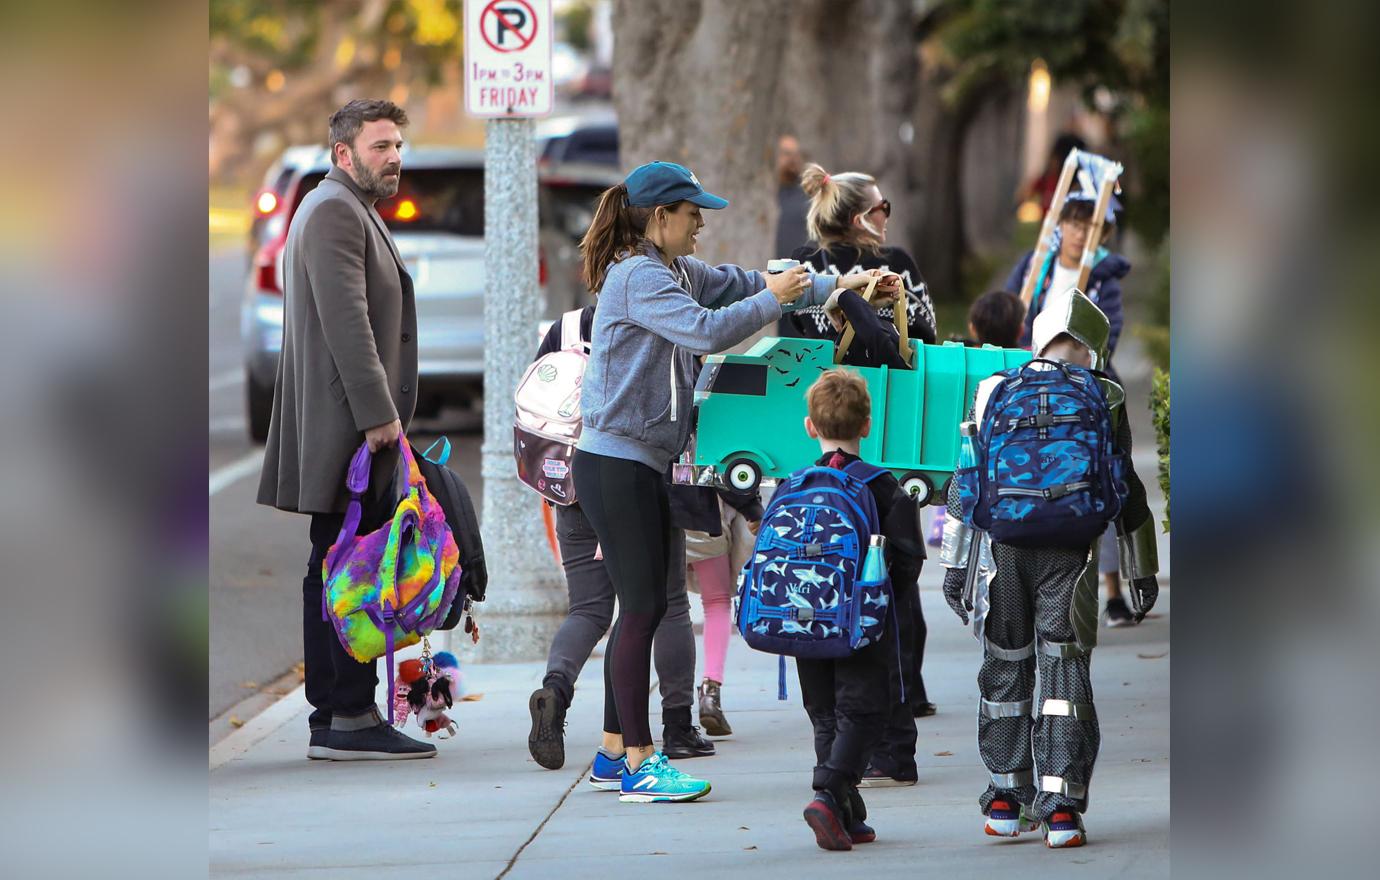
[{"x": 708, "y": 200}]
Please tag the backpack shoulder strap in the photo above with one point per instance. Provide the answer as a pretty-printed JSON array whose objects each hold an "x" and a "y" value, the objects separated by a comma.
[
  {"x": 863, "y": 471},
  {"x": 570, "y": 330}
]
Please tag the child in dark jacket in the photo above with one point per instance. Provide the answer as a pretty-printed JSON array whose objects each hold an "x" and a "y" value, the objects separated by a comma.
[
  {"x": 848, "y": 700},
  {"x": 877, "y": 343}
]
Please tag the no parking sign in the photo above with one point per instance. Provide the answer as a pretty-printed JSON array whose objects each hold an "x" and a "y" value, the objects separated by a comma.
[{"x": 508, "y": 58}]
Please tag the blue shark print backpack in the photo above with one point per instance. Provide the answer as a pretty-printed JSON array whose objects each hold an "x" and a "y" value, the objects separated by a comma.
[
  {"x": 802, "y": 592},
  {"x": 1043, "y": 469}
]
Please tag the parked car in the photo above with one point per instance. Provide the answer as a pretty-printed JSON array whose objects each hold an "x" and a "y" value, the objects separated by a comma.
[
  {"x": 567, "y": 195},
  {"x": 437, "y": 222},
  {"x": 267, "y": 213},
  {"x": 749, "y": 409},
  {"x": 590, "y": 138}
]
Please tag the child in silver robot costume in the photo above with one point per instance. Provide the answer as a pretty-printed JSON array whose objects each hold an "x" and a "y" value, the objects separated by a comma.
[{"x": 1038, "y": 607}]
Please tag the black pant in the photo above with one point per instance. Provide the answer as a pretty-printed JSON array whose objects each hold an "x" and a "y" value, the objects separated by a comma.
[
  {"x": 895, "y": 755},
  {"x": 847, "y": 701},
  {"x": 591, "y": 611},
  {"x": 627, "y": 505},
  {"x": 336, "y": 683}
]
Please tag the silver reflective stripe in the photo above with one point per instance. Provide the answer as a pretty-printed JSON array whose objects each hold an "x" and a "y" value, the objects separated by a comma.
[
  {"x": 958, "y": 542},
  {"x": 1013, "y": 780},
  {"x": 1011, "y": 654},
  {"x": 1139, "y": 552},
  {"x": 1076, "y": 711},
  {"x": 1057, "y": 785},
  {"x": 1010, "y": 709},
  {"x": 1064, "y": 650}
]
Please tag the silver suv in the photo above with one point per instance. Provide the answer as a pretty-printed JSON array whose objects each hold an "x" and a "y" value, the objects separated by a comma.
[{"x": 437, "y": 221}]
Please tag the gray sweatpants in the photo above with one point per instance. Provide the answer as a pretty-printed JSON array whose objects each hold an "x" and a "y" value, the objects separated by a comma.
[{"x": 591, "y": 612}]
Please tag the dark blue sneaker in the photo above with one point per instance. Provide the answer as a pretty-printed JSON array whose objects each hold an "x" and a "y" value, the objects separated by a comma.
[
  {"x": 656, "y": 780},
  {"x": 607, "y": 773}
]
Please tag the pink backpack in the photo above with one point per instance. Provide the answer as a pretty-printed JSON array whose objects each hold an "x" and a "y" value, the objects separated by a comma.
[{"x": 548, "y": 415}]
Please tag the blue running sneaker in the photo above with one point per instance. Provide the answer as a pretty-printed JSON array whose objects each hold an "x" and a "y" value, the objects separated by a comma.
[
  {"x": 607, "y": 773},
  {"x": 656, "y": 780}
]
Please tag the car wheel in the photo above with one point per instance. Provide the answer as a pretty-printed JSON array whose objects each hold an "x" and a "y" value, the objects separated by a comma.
[
  {"x": 944, "y": 492},
  {"x": 743, "y": 474},
  {"x": 919, "y": 487},
  {"x": 259, "y": 403}
]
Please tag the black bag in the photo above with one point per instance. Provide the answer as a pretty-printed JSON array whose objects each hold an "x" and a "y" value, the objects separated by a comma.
[{"x": 450, "y": 491}]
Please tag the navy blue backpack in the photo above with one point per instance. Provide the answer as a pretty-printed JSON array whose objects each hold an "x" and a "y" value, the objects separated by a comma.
[
  {"x": 802, "y": 594},
  {"x": 1043, "y": 469}
]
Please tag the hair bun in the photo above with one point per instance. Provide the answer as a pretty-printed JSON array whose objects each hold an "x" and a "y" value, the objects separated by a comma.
[{"x": 813, "y": 179}]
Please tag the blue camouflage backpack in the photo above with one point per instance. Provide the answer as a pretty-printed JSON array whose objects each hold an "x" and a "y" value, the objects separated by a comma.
[
  {"x": 802, "y": 594},
  {"x": 1043, "y": 469}
]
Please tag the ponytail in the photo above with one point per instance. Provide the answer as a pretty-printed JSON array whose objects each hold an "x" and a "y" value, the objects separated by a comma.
[
  {"x": 613, "y": 234},
  {"x": 835, "y": 199}
]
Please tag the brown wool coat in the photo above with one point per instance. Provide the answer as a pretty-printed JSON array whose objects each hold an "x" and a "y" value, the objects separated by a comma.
[{"x": 349, "y": 360}]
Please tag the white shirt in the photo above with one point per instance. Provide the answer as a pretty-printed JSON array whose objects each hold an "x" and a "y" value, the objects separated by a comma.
[{"x": 1063, "y": 279}]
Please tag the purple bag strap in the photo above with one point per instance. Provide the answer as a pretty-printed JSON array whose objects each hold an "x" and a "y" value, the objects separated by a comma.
[{"x": 357, "y": 481}]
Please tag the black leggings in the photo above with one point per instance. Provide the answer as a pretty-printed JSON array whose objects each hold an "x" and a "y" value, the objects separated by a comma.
[{"x": 627, "y": 505}]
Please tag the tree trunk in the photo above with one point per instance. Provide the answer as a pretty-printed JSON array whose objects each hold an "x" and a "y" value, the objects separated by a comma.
[
  {"x": 693, "y": 83},
  {"x": 713, "y": 84}
]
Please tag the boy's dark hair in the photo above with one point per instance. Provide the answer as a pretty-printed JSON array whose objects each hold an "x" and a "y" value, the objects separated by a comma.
[
  {"x": 1077, "y": 210},
  {"x": 347, "y": 122},
  {"x": 839, "y": 404},
  {"x": 997, "y": 317}
]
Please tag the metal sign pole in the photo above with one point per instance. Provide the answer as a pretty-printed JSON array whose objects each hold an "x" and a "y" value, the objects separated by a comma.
[{"x": 526, "y": 597}]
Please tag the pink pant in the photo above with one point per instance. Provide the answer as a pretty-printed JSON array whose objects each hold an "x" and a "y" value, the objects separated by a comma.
[{"x": 716, "y": 591}]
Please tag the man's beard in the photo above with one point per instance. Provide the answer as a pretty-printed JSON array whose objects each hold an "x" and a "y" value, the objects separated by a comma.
[{"x": 375, "y": 185}]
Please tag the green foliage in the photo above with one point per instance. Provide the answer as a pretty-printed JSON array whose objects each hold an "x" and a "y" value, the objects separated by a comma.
[
  {"x": 574, "y": 22},
  {"x": 288, "y": 34},
  {"x": 1159, "y": 414},
  {"x": 1120, "y": 46},
  {"x": 1153, "y": 328}
]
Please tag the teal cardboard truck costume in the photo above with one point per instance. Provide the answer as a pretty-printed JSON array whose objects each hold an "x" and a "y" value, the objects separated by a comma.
[{"x": 750, "y": 409}]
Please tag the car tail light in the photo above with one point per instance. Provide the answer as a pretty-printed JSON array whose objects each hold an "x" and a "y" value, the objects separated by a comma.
[
  {"x": 266, "y": 265},
  {"x": 266, "y": 202},
  {"x": 541, "y": 267}
]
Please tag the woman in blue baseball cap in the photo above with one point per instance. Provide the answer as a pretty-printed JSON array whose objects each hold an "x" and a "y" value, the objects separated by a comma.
[{"x": 658, "y": 308}]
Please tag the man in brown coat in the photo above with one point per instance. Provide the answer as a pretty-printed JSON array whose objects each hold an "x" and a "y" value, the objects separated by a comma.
[{"x": 347, "y": 374}]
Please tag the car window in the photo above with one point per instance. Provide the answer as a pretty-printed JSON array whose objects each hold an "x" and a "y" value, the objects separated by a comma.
[
  {"x": 595, "y": 145},
  {"x": 428, "y": 200}
]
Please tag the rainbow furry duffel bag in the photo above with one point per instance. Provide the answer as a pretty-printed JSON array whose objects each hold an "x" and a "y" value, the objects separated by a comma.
[{"x": 387, "y": 589}]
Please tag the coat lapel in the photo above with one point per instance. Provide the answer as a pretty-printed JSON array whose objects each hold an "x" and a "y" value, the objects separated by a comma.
[{"x": 341, "y": 177}]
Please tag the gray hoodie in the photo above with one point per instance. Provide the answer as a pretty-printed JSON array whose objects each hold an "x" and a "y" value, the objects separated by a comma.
[{"x": 652, "y": 320}]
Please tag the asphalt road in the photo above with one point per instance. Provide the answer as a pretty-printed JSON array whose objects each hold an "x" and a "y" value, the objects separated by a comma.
[{"x": 258, "y": 555}]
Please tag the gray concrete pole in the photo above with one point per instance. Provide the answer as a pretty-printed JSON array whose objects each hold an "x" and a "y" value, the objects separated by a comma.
[{"x": 526, "y": 596}]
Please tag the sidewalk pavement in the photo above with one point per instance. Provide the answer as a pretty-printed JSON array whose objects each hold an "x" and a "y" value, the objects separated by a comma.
[{"x": 482, "y": 808}]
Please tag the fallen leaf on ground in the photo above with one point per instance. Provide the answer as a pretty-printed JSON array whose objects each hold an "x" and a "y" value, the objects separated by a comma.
[
  {"x": 744, "y": 828},
  {"x": 431, "y": 785},
  {"x": 251, "y": 685},
  {"x": 235, "y": 722},
  {"x": 1153, "y": 656},
  {"x": 471, "y": 698},
  {"x": 748, "y": 848},
  {"x": 943, "y": 754},
  {"x": 658, "y": 853}
]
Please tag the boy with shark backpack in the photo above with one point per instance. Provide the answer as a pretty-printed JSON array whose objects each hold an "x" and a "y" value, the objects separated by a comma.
[{"x": 816, "y": 588}]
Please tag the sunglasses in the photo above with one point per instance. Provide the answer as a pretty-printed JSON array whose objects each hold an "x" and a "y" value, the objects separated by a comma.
[{"x": 884, "y": 206}]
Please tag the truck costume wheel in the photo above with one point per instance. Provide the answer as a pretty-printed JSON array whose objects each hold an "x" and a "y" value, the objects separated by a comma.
[
  {"x": 743, "y": 474},
  {"x": 919, "y": 487}
]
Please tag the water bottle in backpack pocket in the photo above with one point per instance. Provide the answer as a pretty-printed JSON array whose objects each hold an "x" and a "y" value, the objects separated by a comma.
[
  {"x": 1045, "y": 469},
  {"x": 809, "y": 590}
]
